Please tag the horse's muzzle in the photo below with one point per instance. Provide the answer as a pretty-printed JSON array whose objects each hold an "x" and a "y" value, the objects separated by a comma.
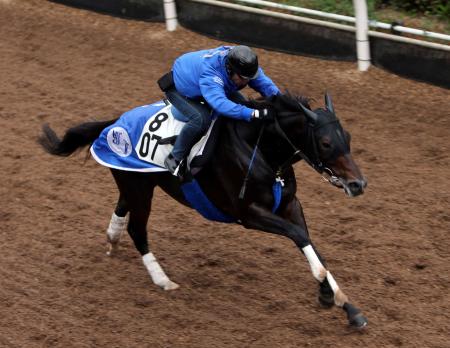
[{"x": 356, "y": 187}]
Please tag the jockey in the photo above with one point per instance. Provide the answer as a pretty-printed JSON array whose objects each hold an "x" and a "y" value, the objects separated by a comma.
[{"x": 201, "y": 85}]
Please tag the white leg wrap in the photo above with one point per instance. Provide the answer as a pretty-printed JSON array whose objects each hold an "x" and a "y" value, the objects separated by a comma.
[
  {"x": 156, "y": 273},
  {"x": 318, "y": 270},
  {"x": 339, "y": 297},
  {"x": 116, "y": 227},
  {"x": 332, "y": 282},
  {"x": 320, "y": 273}
]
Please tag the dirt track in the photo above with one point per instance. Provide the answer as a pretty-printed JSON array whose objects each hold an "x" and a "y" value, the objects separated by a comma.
[{"x": 389, "y": 249}]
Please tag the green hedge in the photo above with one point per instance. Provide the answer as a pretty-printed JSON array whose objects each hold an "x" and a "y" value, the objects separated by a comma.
[
  {"x": 434, "y": 7},
  {"x": 437, "y": 8}
]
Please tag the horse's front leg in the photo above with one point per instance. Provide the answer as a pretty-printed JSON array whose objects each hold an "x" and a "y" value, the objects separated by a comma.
[
  {"x": 262, "y": 219},
  {"x": 293, "y": 212}
]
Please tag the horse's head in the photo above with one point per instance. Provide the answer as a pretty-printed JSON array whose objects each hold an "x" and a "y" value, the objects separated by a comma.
[{"x": 327, "y": 148}]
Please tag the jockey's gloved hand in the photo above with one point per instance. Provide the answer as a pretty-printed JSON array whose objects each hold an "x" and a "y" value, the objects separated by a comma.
[{"x": 266, "y": 114}]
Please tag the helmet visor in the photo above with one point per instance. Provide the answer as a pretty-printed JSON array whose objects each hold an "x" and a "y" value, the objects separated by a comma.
[{"x": 254, "y": 76}]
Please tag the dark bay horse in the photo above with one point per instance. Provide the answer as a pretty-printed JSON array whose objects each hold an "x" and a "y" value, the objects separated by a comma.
[{"x": 256, "y": 154}]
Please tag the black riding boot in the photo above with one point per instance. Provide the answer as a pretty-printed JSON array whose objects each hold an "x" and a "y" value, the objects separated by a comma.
[{"x": 175, "y": 166}]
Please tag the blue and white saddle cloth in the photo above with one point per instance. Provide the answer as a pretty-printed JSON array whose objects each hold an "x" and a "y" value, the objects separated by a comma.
[{"x": 131, "y": 143}]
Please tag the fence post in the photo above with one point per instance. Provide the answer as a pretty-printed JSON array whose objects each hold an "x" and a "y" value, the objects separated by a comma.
[
  {"x": 362, "y": 34},
  {"x": 170, "y": 14}
]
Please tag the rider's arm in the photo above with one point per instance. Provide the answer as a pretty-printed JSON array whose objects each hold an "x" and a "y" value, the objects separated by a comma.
[
  {"x": 211, "y": 86},
  {"x": 264, "y": 85}
]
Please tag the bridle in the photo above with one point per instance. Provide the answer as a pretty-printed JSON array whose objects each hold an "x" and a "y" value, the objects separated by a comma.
[{"x": 315, "y": 162}]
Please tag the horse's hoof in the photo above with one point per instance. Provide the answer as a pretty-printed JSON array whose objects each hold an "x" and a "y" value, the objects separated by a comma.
[
  {"x": 112, "y": 248},
  {"x": 355, "y": 317},
  {"x": 170, "y": 285},
  {"x": 359, "y": 321}
]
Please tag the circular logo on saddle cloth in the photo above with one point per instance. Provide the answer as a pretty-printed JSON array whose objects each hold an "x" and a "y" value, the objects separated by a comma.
[{"x": 119, "y": 141}]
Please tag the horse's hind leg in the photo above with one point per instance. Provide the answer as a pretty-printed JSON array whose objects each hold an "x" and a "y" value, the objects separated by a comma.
[
  {"x": 136, "y": 190},
  {"x": 117, "y": 225},
  {"x": 139, "y": 213}
]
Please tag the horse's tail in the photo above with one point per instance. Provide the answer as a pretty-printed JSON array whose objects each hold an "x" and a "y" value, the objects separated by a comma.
[{"x": 74, "y": 139}]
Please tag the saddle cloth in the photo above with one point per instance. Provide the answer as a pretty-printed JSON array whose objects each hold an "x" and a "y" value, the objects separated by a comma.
[{"x": 133, "y": 142}]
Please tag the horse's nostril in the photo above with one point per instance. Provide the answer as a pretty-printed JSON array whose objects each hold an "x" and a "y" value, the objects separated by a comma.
[{"x": 356, "y": 186}]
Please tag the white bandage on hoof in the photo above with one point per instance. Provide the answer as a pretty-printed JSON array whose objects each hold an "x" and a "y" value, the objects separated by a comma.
[
  {"x": 157, "y": 274},
  {"x": 116, "y": 227},
  {"x": 318, "y": 270}
]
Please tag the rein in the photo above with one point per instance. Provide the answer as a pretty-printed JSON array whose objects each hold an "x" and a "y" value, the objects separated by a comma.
[
  {"x": 317, "y": 165},
  {"x": 244, "y": 184}
]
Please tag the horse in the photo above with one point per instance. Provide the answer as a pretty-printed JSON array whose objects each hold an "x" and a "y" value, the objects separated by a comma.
[{"x": 249, "y": 159}]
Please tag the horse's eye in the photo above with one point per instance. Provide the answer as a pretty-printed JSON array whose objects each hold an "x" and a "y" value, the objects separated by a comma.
[{"x": 326, "y": 145}]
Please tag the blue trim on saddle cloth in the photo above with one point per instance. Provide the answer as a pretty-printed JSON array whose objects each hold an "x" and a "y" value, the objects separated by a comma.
[{"x": 198, "y": 200}]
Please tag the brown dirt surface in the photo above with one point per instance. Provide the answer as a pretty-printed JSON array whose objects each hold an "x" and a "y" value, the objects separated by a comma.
[{"x": 388, "y": 249}]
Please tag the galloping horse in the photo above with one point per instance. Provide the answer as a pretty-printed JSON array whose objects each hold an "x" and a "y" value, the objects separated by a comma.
[{"x": 239, "y": 180}]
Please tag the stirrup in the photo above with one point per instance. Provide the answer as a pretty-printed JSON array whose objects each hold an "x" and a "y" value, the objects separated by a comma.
[
  {"x": 179, "y": 170},
  {"x": 171, "y": 163},
  {"x": 175, "y": 167}
]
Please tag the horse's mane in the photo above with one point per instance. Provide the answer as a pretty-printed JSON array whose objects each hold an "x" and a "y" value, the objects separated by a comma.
[{"x": 287, "y": 101}]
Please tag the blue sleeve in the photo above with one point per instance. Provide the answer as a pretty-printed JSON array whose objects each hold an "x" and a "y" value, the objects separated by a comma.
[
  {"x": 212, "y": 88},
  {"x": 264, "y": 85}
]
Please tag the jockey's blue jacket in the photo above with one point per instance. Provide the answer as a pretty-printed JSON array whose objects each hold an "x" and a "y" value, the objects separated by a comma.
[{"x": 203, "y": 74}]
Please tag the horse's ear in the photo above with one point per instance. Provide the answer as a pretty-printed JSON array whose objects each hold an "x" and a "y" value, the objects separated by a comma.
[
  {"x": 329, "y": 103},
  {"x": 348, "y": 137},
  {"x": 310, "y": 114}
]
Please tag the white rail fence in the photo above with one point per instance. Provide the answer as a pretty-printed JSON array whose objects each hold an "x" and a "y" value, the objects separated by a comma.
[
  {"x": 360, "y": 21},
  {"x": 372, "y": 23},
  {"x": 170, "y": 14}
]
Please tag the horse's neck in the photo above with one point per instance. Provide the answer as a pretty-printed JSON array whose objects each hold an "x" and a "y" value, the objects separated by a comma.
[
  {"x": 277, "y": 148},
  {"x": 273, "y": 149},
  {"x": 237, "y": 145}
]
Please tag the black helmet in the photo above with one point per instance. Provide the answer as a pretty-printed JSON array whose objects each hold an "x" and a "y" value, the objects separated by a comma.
[{"x": 242, "y": 61}]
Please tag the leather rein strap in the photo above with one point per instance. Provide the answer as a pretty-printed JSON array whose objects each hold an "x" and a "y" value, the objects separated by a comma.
[
  {"x": 297, "y": 152},
  {"x": 317, "y": 165}
]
